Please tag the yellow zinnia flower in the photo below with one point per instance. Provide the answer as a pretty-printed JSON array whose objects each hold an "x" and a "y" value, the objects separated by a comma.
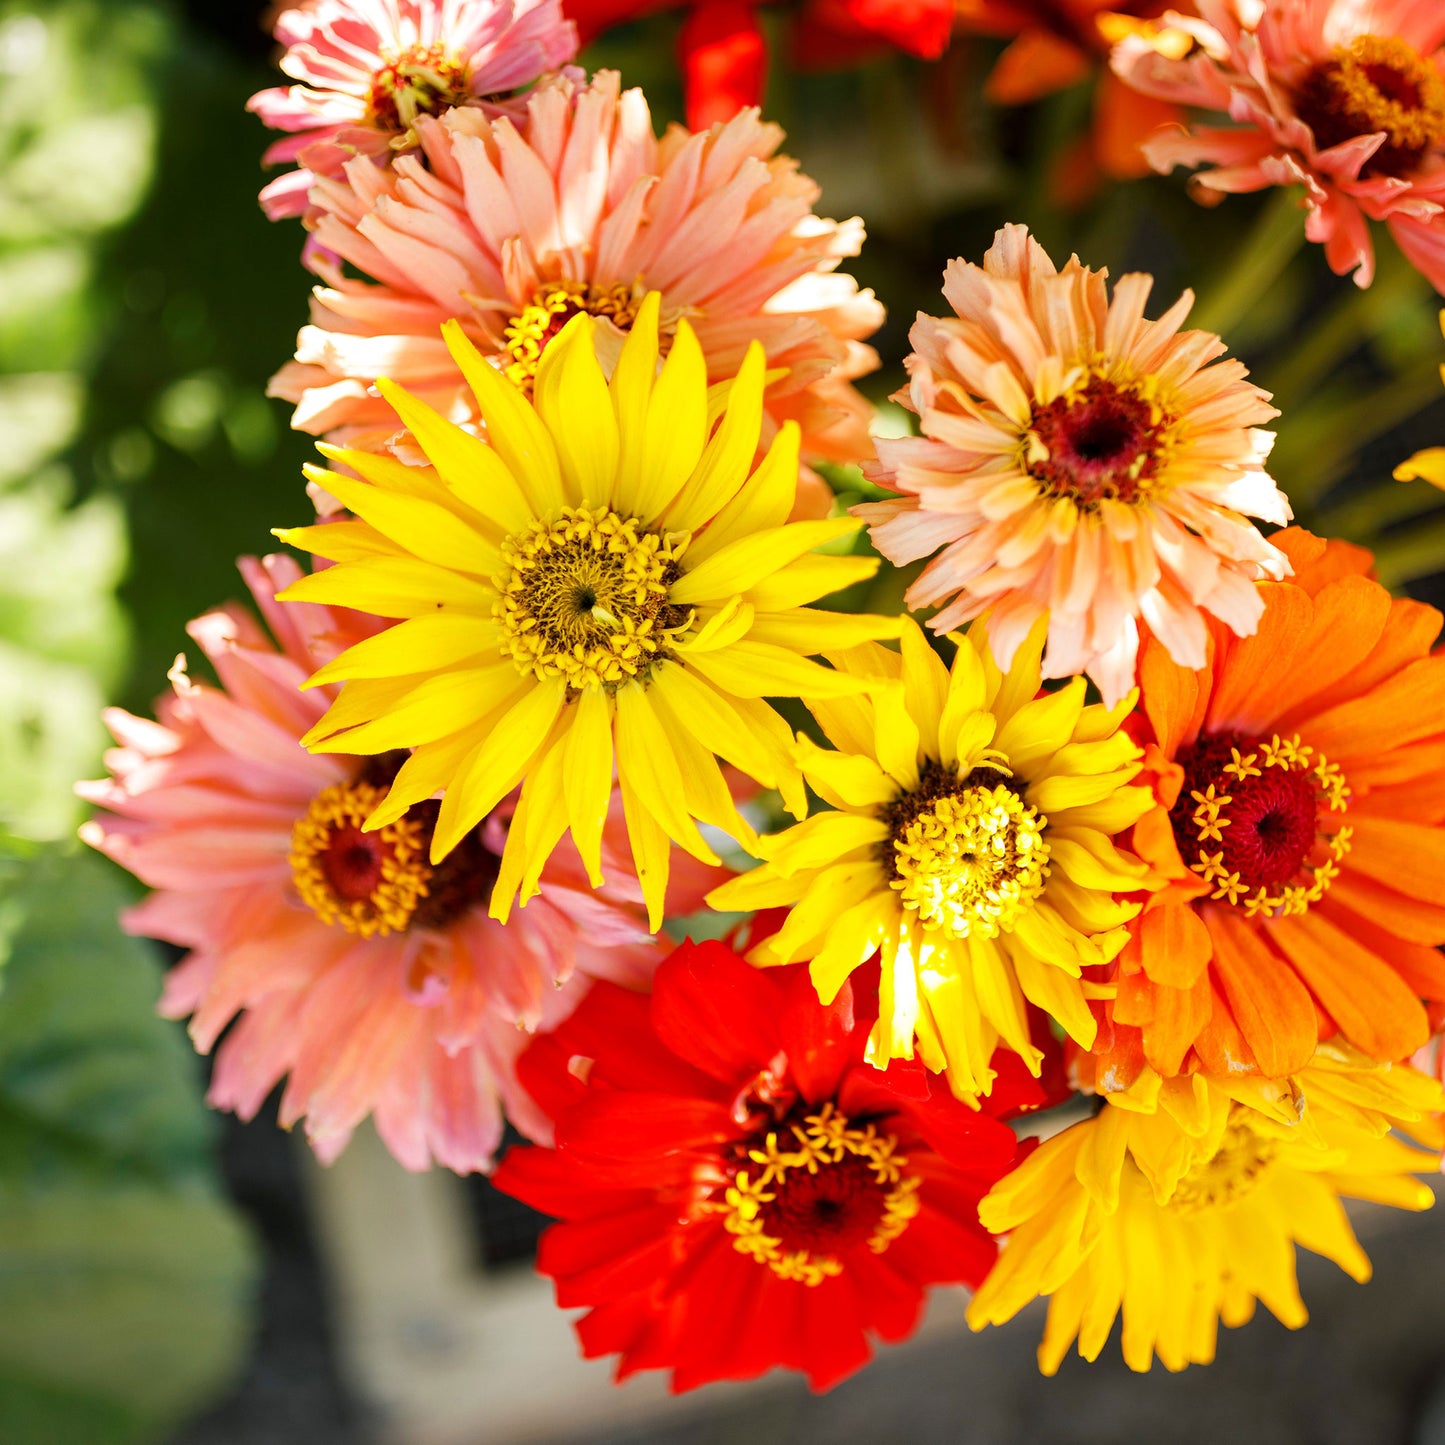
[
  {"x": 608, "y": 566},
  {"x": 970, "y": 844},
  {"x": 1185, "y": 1215}
]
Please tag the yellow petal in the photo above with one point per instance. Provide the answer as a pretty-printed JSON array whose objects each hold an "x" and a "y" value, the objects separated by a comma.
[
  {"x": 740, "y": 564},
  {"x": 858, "y": 936},
  {"x": 808, "y": 579},
  {"x": 765, "y": 499},
  {"x": 513, "y": 426},
  {"x": 717, "y": 723},
  {"x": 471, "y": 470},
  {"x": 926, "y": 685},
  {"x": 811, "y": 629},
  {"x": 846, "y": 780},
  {"x": 424, "y": 774},
  {"x": 632, "y": 382},
  {"x": 1424, "y": 466},
  {"x": 755, "y": 669},
  {"x": 823, "y": 839},
  {"x": 348, "y": 541},
  {"x": 393, "y": 587},
  {"x": 721, "y": 627},
  {"x": 651, "y": 852},
  {"x": 675, "y": 432},
  {"x": 587, "y": 780},
  {"x": 498, "y": 763},
  {"x": 646, "y": 759},
  {"x": 419, "y": 644},
  {"x": 572, "y": 400}
]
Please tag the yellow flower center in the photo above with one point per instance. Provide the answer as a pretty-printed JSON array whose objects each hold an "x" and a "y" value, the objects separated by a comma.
[
  {"x": 551, "y": 308},
  {"x": 1099, "y": 440},
  {"x": 368, "y": 883},
  {"x": 818, "y": 1187},
  {"x": 1376, "y": 83},
  {"x": 1252, "y": 819},
  {"x": 1234, "y": 1170},
  {"x": 585, "y": 597},
  {"x": 424, "y": 80},
  {"x": 968, "y": 860}
]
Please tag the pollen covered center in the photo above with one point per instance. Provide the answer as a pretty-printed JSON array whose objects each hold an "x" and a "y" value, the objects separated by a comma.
[
  {"x": 1098, "y": 441},
  {"x": 526, "y": 335},
  {"x": 818, "y": 1186},
  {"x": 968, "y": 856},
  {"x": 1234, "y": 1170},
  {"x": 424, "y": 80},
  {"x": 1376, "y": 83},
  {"x": 367, "y": 883},
  {"x": 1256, "y": 820},
  {"x": 585, "y": 597}
]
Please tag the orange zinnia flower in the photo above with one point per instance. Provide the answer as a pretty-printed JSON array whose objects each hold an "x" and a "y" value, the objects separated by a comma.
[{"x": 1301, "y": 783}]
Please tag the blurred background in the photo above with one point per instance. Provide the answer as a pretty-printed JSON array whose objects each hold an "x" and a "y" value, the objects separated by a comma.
[{"x": 169, "y": 1276}]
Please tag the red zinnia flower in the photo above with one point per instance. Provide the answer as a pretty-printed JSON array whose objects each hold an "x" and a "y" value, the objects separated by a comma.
[{"x": 737, "y": 1188}]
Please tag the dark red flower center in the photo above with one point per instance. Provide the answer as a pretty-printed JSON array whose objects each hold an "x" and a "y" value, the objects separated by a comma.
[
  {"x": 381, "y": 882},
  {"x": 1252, "y": 818},
  {"x": 1376, "y": 84},
  {"x": 839, "y": 1205},
  {"x": 1103, "y": 441}
]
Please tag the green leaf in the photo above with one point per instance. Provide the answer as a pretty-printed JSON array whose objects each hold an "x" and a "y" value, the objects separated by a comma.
[{"x": 125, "y": 1276}]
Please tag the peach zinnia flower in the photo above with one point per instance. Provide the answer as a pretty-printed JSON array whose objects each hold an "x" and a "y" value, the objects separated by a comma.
[
  {"x": 1344, "y": 98},
  {"x": 369, "y": 68},
  {"x": 375, "y": 980},
  {"x": 512, "y": 231},
  {"x": 1301, "y": 822},
  {"x": 1080, "y": 460}
]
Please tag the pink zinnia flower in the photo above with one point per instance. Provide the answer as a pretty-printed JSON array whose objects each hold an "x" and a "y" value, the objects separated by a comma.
[
  {"x": 1079, "y": 461},
  {"x": 375, "y": 981},
  {"x": 1343, "y": 97},
  {"x": 583, "y": 209},
  {"x": 369, "y": 68}
]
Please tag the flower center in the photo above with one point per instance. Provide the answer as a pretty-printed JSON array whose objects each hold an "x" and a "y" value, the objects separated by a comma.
[
  {"x": 1376, "y": 83},
  {"x": 1252, "y": 818},
  {"x": 424, "y": 80},
  {"x": 585, "y": 597},
  {"x": 379, "y": 883},
  {"x": 821, "y": 1185},
  {"x": 968, "y": 856},
  {"x": 551, "y": 308},
  {"x": 1235, "y": 1169},
  {"x": 1098, "y": 441}
]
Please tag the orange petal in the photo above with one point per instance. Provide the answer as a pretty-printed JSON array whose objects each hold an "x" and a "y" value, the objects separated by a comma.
[
  {"x": 1169, "y": 695},
  {"x": 1179, "y": 1015},
  {"x": 1221, "y": 1047},
  {"x": 1421, "y": 967},
  {"x": 1411, "y": 918},
  {"x": 1246, "y": 676},
  {"x": 1375, "y": 1010},
  {"x": 1175, "y": 946},
  {"x": 1402, "y": 709},
  {"x": 1123, "y": 120},
  {"x": 1134, "y": 1003},
  {"x": 1037, "y": 63},
  {"x": 1408, "y": 857},
  {"x": 1272, "y": 1008}
]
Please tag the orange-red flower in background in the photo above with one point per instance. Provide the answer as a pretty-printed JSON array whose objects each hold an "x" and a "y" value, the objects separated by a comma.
[
  {"x": 1058, "y": 43},
  {"x": 1301, "y": 781}
]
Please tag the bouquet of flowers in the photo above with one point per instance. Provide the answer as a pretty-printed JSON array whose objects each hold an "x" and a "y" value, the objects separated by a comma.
[{"x": 1073, "y": 932}]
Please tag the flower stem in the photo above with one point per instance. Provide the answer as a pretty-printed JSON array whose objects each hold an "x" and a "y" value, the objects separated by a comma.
[{"x": 1278, "y": 232}]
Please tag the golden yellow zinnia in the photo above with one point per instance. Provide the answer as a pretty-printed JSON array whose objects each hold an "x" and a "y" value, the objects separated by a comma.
[
  {"x": 970, "y": 843},
  {"x": 1185, "y": 1213},
  {"x": 608, "y": 572}
]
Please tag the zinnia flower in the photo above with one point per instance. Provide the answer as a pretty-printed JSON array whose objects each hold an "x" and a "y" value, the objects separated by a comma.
[
  {"x": 1080, "y": 461},
  {"x": 370, "y": 68},
  {"x": 340, "y": 957},
  {"x": 1301, "y": 823},
  {"x": 724, "y": 55},
  {"x": 1186, "y": 1216},
  {"x": 514, "y": 231},
  {"x": 1344, "y": 98},
  {"x": 970, "y": 842},
  {"x": 1055, "y": 44},
  {"x": 611, "y": 563},
  {"x": 737, "y": 1189}
]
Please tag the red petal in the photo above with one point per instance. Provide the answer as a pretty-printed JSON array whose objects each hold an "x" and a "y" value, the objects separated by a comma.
[
  {"x": 724, "y": 61},
  {"x": 624, "y": 1124}
]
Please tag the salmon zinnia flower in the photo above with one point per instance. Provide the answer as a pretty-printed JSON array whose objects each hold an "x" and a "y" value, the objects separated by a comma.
[
  {"x": 1301, "y": 822},
  {"x": 1343, "y": 98},
  {"x": 737, "y": 1189},
  {"x": 1184, "y": 1216},
  {"x": 338, "y": 957},
  {"x": 612, "y": 563},
  {"x": 512, "y": 230},
  {"x": 1077, "y": 460},
  {"x": 368, "y": 69},
  {"x": 969, "y": 842}
]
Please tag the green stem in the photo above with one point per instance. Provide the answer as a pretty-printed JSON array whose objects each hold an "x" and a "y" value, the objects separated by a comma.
[
  {"x": 1408, "y": 555},
  {"x": 1278, "y": 232}
]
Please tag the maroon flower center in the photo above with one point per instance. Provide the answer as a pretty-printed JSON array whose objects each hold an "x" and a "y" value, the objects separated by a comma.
[
  {"x": 353, "y": 862},
  {"x": 1103, "y": 441},
  {"x": 1253, "y": 819},
  {"x": 840, "y": 1205},
  {"x": 1376, "y": 83}
]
